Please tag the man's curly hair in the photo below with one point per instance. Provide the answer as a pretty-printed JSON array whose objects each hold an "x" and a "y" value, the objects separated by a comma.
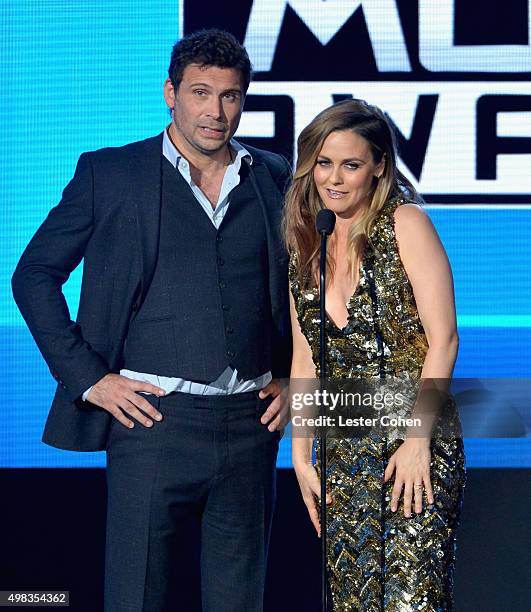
[{"x": 212, "y": 47}]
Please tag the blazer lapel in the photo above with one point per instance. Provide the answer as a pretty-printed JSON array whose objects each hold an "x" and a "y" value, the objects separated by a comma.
[
  {"x": 271, "y": 204},
  {"x": 146, "y": 170}
]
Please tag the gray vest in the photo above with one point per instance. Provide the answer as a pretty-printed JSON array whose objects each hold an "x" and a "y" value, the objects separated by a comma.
[{"x": 208, "y": 305}]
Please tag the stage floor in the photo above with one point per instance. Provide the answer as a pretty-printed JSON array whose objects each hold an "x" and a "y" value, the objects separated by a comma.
[{"x": 53, "y": 520}]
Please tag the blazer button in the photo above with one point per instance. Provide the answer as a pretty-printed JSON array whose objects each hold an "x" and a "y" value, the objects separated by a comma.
[
  {"x": 231, "y": 354},
  {"x": 225, "y": 307},
  {"x": 229, "y": 330},
  {"x": 134, "y": 307},
  {"x": 222, "y": 285}
]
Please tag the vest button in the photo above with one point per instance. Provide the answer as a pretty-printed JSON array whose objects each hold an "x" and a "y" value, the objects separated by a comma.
[
  {"x": 219, "y": 238},
  {"x": 221, "y": 261},
  {"x": 231, "y": 354},
  {"x": 229, "y": 330},
  {"x": 225, "y": 307},
  {"x": 222, "y": 285},
  {"x": 134, "y": 307}
]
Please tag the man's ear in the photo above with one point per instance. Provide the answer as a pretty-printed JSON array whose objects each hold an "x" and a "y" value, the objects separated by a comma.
[{"x": 169, "y": 94}]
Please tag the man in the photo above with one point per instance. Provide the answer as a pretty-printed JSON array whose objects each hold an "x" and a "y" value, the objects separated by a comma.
[{"x": 182, "y": 322}]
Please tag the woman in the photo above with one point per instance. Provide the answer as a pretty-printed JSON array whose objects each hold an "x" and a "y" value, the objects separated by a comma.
[{"x": 393, "y": 504}]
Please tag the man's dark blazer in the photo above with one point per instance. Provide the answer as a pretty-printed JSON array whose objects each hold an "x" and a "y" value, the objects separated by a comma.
[{"x": 109, "y": 215}]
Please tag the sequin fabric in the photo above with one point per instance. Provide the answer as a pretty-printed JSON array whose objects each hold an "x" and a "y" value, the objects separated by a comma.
[{"x": 377, "y": 559}]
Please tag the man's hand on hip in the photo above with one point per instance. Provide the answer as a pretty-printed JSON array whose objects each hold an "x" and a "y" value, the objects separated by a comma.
[
  {"x": 119, "y": 395},
  {"x": 277, "y": 413}
]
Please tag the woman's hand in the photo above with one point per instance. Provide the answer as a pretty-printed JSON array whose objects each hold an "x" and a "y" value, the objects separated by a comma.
[
  {"x": 411, "y": 465},
  {"x": 310, "y": 486}
]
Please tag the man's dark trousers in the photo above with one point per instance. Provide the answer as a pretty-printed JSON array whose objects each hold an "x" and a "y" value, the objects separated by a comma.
[{"x": 207, "y": 469}]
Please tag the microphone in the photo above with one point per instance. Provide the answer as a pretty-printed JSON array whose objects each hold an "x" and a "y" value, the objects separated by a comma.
[{"x": 325, "y": 222}]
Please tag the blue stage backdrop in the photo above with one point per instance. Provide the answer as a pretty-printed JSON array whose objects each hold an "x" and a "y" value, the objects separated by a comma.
[{"x": 454, "y": 79}]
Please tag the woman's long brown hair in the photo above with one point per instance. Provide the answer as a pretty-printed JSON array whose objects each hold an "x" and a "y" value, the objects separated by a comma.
[{"x": 303, "y": 201}]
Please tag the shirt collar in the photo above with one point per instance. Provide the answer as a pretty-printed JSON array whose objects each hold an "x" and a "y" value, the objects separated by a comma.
[{"x": 174, "y": 156}]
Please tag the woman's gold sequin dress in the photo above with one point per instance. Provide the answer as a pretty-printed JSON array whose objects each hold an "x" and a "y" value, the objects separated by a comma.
[{"x": 377, "y": 559}]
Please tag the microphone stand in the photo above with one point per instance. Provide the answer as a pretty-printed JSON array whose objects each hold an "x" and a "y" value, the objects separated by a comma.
[{"x": 322, "y": 433}]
